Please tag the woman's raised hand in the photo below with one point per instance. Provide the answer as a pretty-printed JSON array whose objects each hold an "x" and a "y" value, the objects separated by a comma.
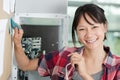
[{"x": 18, "y": 34}]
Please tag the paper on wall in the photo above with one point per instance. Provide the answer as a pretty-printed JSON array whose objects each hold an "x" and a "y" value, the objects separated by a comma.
[
  {"x": 12, "y": 5},
  {"x": 3, "y": 23},
  {"x": 6, "y": 6}
]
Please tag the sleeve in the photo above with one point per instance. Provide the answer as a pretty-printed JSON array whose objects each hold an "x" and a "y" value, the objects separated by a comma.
[
  {"x": 47, "y": 63},
  {"x": 118, "y": 74}
]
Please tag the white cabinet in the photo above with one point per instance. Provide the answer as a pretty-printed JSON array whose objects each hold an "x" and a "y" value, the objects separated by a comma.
[{"x": 45, "y": 25}]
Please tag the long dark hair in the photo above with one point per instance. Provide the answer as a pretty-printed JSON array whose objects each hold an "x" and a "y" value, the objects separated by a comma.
[{"x": 95, "y": 12}]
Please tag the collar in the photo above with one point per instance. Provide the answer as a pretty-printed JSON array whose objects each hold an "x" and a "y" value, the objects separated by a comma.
[{"x": 109, "y": 61}]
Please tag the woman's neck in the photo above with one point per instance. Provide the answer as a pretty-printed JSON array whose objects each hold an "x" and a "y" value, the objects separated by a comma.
[{"x": 94, "y": 54}]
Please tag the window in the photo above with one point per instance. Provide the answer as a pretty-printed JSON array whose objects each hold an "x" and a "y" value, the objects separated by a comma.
[{"x": 112, "y": 12}]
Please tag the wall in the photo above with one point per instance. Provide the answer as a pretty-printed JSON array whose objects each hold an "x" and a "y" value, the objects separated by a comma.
[{"x": 7, "y": 55}]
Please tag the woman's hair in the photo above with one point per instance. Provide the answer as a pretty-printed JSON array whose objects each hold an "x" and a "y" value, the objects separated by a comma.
[{"x": 95, "y": 12}]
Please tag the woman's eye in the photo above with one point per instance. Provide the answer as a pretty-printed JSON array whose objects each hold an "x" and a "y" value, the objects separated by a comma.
[
  {"x": 95, "y": 27},
  {"x": 81, "y": 29}
]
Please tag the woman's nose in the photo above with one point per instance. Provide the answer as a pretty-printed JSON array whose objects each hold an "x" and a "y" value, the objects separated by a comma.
[{"x": 89, "y": 33}]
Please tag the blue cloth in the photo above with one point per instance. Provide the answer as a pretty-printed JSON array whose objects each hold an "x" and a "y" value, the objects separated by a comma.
[{"x": 14, "y": 24}]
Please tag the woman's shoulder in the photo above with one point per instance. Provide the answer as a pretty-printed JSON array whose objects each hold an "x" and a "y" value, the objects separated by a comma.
[
  {"x": 71, "y": 49},
  {"x": 64, "y": 51},
  {"x": 116, "y": 59}
]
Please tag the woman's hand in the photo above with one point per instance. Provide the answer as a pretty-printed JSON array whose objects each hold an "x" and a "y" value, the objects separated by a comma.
[
  {"x": 78, "y": 60},
  {"x": 18, "y": 33}
]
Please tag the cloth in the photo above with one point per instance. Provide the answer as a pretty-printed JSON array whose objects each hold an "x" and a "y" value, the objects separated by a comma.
[
  {"x": 14, "y": 24},
  {"x": 53, "y": 64},
  {"x": 96, "y": 76}
]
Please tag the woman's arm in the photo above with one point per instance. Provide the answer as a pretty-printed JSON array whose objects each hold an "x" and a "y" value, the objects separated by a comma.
[{"x": 23, "y": 62}]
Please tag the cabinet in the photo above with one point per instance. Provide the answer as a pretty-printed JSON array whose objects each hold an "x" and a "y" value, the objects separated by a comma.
[{"x": 45, "y": 25}]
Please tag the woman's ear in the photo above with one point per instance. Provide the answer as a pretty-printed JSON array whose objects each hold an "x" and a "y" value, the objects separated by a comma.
[{"x": 106, "y": 27}]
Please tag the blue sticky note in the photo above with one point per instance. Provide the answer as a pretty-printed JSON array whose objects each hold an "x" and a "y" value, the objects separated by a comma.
[{"x": 14, "y": 24}]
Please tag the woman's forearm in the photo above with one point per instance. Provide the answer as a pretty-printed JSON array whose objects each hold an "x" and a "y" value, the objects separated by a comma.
[
  {"x": 21, "y": 58},
  {"x": 23, "y": 61}
]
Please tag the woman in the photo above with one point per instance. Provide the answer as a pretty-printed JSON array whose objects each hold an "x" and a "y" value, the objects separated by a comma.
[{"x": 92, "y": 61}]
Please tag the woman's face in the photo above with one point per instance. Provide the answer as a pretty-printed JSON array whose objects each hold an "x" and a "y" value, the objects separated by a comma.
[{"x": 91, "y": 36}]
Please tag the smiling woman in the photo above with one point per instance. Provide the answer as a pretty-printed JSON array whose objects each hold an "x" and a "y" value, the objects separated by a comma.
[
  {"x": 91, "y": 33},
  {"x": 92, "y": 61}
]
